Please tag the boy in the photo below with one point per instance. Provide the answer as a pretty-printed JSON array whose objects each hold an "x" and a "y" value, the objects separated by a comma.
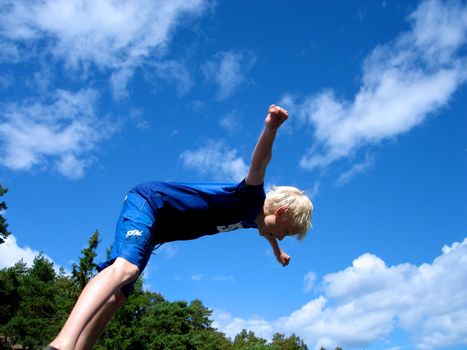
[{"x": 157, "y": 212}]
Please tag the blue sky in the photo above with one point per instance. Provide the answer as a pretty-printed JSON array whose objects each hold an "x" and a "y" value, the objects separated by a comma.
[{"x": 97, "y": 97}]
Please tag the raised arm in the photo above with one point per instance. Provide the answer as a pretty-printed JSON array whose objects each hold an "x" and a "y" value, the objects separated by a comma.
[{"x": 263, "y": 151}]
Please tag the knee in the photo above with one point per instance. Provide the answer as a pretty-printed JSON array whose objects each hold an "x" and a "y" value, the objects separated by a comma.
[{"x": 125, "y": 270}]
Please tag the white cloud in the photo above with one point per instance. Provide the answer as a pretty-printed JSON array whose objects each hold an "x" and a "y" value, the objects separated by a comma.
[
  {"x": 106, "y": 34},
  {"x": 72, "y": 167},
  {"x": 63, "y": 131},
  {"x": 197, "y": 106},
  {"x": 9, "y": 53},
  {"x": 313, "y": 191},
  {"x": 136, "y": 118},
  {"x": 367, "y": 301},
  {"x": 224, "y": 278},
  {"x": 119, "y": 81},
  {"x": 198, "y": 277},
  {"x": 228, "y": 70},
  {"x": 230, "y": 121},
  {"x": 216, "y": 159},
  {"x": 356, "y": 169},
  {"x": 11, "y": 253},
  {"x": 231, "y": 326},
  {"x": 403, "y": 82},
  {"x": 170, "y": 250},
  {"x": 216, "y": 278},
  {"x": 176, "y": 73},
  {"x": 309, "y": 281}
]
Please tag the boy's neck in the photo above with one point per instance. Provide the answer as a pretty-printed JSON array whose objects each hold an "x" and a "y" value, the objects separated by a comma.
[{"x": 259, "y": 221}]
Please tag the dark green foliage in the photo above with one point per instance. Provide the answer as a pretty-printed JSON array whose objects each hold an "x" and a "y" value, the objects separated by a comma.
[
  {"x": 246, "y": 340},
  {"x": 10, "y": 280},
  {"x": 148, "y": 321},
  {"x": 83, "y": 272},
  {"x": 36, "y": 301},
  {"x": 4, "y": 233},
  {"x": 280, "y": 342},
  {"x": 211, "y": 340},
  {"x": 31, "y": 318}
]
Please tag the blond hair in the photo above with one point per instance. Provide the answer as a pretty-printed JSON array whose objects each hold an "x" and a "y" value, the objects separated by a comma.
[{"x": 298, "y": 207}]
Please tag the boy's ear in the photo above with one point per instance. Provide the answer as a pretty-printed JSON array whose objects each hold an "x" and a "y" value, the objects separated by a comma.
[{"x": 280, "y": 211}]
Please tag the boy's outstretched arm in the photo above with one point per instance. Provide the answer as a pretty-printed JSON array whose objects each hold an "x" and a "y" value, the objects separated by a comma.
[
  {"x": 282, "y": 258},
  {"x": 263, "y": 151}
]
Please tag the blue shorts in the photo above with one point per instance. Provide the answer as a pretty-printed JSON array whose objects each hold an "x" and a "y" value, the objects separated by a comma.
[{"x": 133, "y": 236}]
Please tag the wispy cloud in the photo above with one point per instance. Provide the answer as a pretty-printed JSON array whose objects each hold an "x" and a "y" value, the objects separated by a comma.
[
  {"x": 228, "y": 71},
  {"x": 198, "y": 277},
  {"x": 9, "y": 53},
  {"x": 90, "y": 40},
  {"x": 109, "y": 35},
  {"x": 313, "y": 191},
  {"x": 217, "y": 160},
  {"x": 61, "y": 133},
  {"x": 309, "y": 282},
  {"x": 367, "y": 301},
  {"x": 356, "y": 169},
  {"x": 230, "y": 121},
  {"x": 224, "y": 278},
  {"x": 170, "y": 250},
  {"x": 216, "y": 278},
  {"x": 403, "y": 83},
  {"x": 174, "y": 73}
]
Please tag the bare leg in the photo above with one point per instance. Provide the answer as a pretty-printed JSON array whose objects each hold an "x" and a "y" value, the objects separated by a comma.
[
  {"x": 95, "y": 327},
  {"x": 92, "y": 299}
]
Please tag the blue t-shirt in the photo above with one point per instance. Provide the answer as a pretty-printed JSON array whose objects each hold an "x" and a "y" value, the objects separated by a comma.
[{"x": 186, "y": 211}]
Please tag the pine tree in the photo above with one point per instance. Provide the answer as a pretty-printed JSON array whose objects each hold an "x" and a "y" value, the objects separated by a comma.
[
  {"x": 83, "y": 272},
  {"x": 10, "y": 282},
  {"x": 247, "y": 340},
  {"x": 4, "y": 233},
  {"x": 33, "y": 321},
  {"x": 280, "y": 342}
]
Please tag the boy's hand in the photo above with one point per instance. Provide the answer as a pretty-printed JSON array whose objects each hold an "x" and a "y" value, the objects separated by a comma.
[
  {"x": 283, "y": 258},
  {"x": 276, "y": 116}
]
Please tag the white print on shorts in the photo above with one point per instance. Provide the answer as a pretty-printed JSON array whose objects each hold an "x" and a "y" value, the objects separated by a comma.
[
  {"x": 134, "y": 233},
  {"x": 227, "y": 228}
]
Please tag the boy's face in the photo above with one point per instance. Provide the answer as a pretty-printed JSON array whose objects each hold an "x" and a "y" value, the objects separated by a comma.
[{"x": 276, "y": 224}]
